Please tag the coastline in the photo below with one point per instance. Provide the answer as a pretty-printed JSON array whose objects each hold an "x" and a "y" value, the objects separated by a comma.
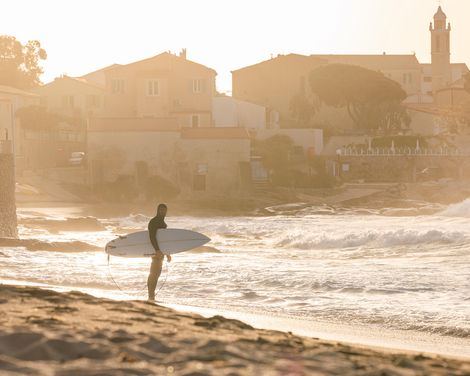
[
  {"x": 76, "y": 333},
  {"x": 358, "y": 335}
]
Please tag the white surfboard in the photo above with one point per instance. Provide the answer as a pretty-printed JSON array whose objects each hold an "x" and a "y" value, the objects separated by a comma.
[{"x": 170, "y": 241}]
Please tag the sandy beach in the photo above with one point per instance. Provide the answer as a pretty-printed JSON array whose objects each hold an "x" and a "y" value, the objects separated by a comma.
[{"x": 50, "y": 333}]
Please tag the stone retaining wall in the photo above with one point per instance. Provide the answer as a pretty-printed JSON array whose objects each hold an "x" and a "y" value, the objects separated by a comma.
[{"x": 8, "y": 221}]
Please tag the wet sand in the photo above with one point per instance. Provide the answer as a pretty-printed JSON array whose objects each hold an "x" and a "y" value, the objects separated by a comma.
[{"x": 43, "y": 332}]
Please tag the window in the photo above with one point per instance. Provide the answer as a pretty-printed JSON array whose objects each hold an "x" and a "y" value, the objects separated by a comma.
[
  {"x": 195, "y": 121},
  {"x": 92, "y": 101},
  {"x": 153, "y": 88},
  {"x": 67, "y": 101},
  {"x": 438, "y": 43},
  {"x": 117, "y": 86},
  {"x": 198, "y": 86},
  {"x": 407, "y": 78}
]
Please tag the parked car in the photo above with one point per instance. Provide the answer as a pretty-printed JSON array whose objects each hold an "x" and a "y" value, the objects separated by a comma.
[{"x": 76, "y": 158}]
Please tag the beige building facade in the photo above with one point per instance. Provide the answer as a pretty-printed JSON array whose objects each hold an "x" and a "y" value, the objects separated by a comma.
[
  {"x": 273, "y": 83},
  {"x": 11, "y": 100},
  {"x": 70, "y": 96},
  {"x": 194, "y": 160},
  {"x": 164, "y": 86}
]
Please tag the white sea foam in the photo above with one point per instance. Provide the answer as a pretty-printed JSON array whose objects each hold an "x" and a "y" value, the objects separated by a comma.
[
  {"x": 370, "y": 238},
  {"x": 461, "y": 209},
  {"x": 395, "y": 272}
]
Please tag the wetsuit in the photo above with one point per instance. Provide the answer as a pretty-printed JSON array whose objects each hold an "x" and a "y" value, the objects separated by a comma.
[{"x": 155, "y": 223}]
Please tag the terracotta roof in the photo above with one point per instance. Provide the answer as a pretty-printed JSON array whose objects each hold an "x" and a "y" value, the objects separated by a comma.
[
  {"x": 79, "y": 80},
  {"x": 159, "y": 56},
  {"x": 375, "y": 62},
  {"x": 100, "y": 70},
  {"x": 215, "y": 133},
  {"x": 133, "y": 125},
  {"x": 15, "y": 91},
  {"x": 463, "y": 67},
  {"x": 284, "y": 58}
]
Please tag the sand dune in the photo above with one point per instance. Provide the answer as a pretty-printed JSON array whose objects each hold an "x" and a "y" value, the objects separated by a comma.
[{"x": 44, "y": 332}]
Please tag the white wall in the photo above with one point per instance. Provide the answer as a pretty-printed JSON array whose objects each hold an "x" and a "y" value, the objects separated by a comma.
[
  {"x": 425, "y": 124},
  {"x": 230, "y": 112},
  {"x": 307, "y": 138}
]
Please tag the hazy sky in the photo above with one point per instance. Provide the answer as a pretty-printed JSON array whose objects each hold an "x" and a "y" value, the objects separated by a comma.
[{"x": 84, "y": 35}]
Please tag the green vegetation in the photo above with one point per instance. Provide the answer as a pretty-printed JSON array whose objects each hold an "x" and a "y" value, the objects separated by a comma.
[
  {"x": 302, "y": 110},
  {"x": 288, "y": 166},
  {"x": 158, "y": 188},
  {"x": 36, "y": 118},
  {"x": 399, "y": 142},
  {"x": 275, "y": 152},
  {"x": 372, "y": 100},
  {"x": 19, "y": 64}
]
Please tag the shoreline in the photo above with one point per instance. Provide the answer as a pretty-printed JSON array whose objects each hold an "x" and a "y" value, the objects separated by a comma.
[
  {"x": 362, "y": 336},
  {"x": 76, "y": 333},
  {"x": 355, "y": 335}
]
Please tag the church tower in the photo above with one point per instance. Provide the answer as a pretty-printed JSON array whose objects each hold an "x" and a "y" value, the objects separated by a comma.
[{"x": 440, "y": 51}]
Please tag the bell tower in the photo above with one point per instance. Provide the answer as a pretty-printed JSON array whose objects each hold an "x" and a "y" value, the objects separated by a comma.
[{"x": 440, "y": 51}]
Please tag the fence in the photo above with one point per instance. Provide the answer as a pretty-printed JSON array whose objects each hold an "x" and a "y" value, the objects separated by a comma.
[{"x": 400, "y": 152}]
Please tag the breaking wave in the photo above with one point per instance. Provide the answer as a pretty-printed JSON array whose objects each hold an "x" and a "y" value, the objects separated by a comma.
[
  {"x": 399, "y": 237},
  {"x": 461, "y": 209}
]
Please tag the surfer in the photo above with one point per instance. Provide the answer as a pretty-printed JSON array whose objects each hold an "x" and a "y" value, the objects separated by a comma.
[{"x": 156, "y": 223}]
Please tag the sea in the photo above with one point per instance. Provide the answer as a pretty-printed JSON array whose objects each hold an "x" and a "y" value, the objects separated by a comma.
[{"x": 392, "y": 269}]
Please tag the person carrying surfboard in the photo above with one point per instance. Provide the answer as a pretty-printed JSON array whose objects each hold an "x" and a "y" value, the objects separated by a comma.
[{"x": 157, "y": 222}]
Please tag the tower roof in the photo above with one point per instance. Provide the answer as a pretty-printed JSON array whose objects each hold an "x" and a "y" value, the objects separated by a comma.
[{"x": 440, "y": 15}]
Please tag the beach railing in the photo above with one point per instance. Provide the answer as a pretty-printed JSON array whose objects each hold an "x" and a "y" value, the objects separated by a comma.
[{"x": 423, "y": 152}]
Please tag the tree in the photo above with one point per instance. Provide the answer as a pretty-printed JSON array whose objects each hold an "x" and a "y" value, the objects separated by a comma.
[
  {"x": 371, "y": 99},
  {"x": 392, "y": 117},
  {"x": 303, "y": 107},
  {"x": 19, "y": 64},
  {"x": 37, "y": 118},
  {"x": 275, "y": 153}
]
